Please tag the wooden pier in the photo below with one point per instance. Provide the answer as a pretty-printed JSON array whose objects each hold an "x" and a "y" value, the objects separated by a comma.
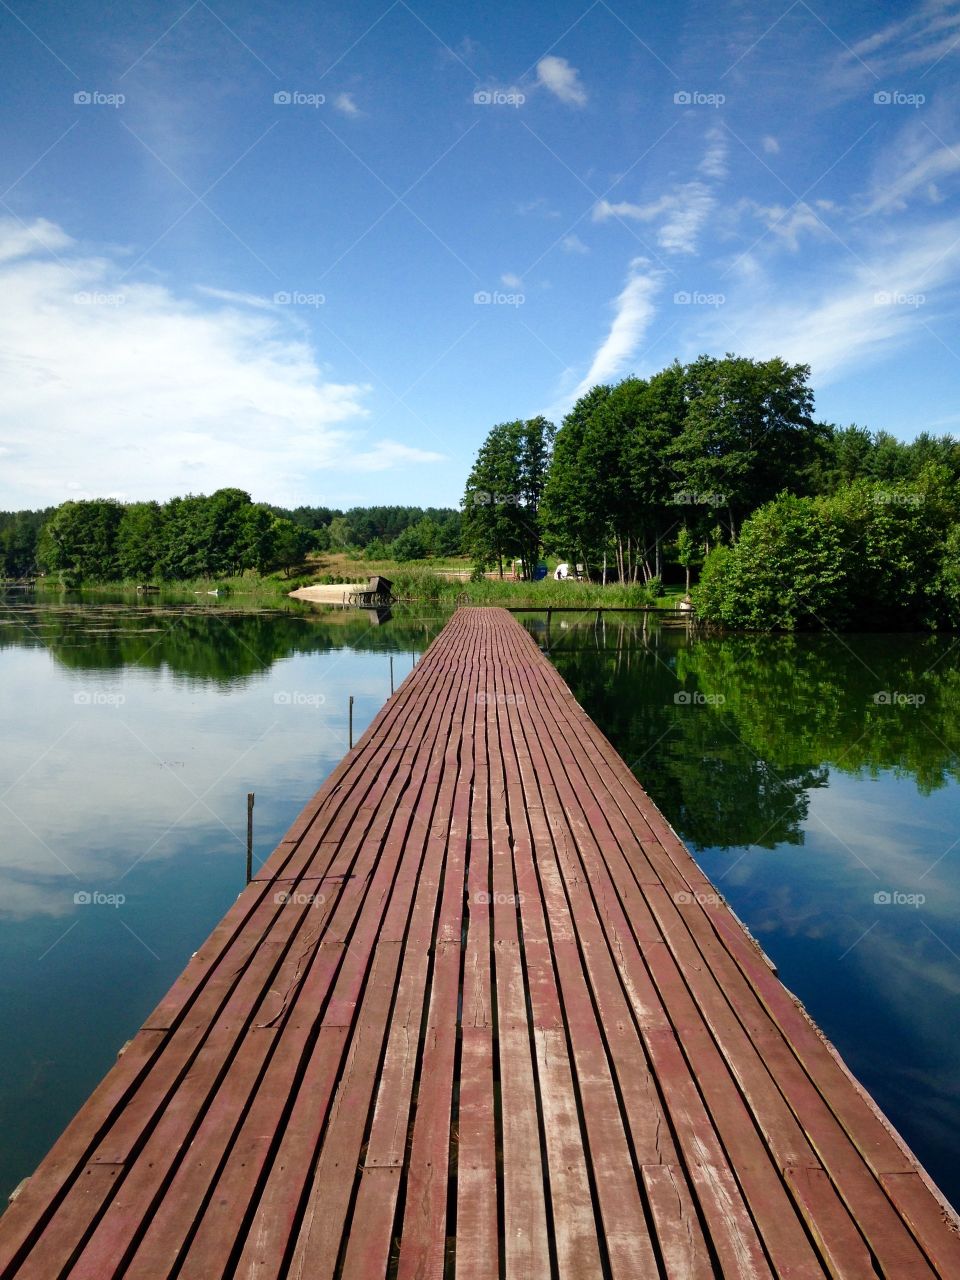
[{"x": 481, "y": 1016}]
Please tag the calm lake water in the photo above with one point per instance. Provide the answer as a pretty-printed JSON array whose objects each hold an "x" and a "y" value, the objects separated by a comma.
[{"x": 815, "y": 779}]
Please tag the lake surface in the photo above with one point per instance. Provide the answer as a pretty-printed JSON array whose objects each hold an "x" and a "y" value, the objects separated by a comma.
[{"x": 815, "y": 779}]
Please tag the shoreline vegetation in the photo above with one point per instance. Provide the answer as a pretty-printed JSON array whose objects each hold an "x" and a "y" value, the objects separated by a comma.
[
  {"x": 710, "y": 478},
  {"x": 412, "y": 585}
]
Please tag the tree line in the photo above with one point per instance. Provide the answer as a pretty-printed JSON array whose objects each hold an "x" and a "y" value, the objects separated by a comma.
[
  {"x": 208, "y": 536},
  {"x": 676, "y": 469}
]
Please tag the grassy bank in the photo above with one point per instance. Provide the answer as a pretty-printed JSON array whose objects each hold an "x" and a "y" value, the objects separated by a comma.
[{"x": 414, "y": 582}]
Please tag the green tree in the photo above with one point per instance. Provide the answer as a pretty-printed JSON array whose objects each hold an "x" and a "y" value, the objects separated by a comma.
[
  {"x": 80, "y": 540},
  {"x": 748, "y": 433},
  {"x": 688, "y": 552},
  {"x": 789, "y": 570},
  {"x": 341, "y": 535},
  {"x": 574, "y": 523},
  {"x": 290, "y": 544},
  {"x": 141, "y": 540},
  {"x": 504, "y": 494}
]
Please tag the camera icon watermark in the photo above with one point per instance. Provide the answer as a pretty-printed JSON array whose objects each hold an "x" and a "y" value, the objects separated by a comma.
[
  {"x": 95, "y": 898},
  {"x": 295, "y": 698},
  {"x": 98, "y": 698},
  {"x": 696, "y": 98},
  {"x": 893, "y": 298},
  {"x": 684, "y": 897},
  {"x": 295, "y": 98},
  {"x": 94, "y": 98},
  {"x": 500, "y": 699},
  {"x": 694, "y": 698},
  {"x": 296, "y": 298},
  {"x": 297, "y": 898},
  {"x": 88, "y": 298},
  {"x": 495, "y": 298},
  {"x": 894, "y": 698},
  {"x": 893, "y": 897},
  {"x": 895, "y": 98},
  {"x": 683, "y": 298},
  {"x": 499, "y": 98},
  {"x": 690, "y": 498}
]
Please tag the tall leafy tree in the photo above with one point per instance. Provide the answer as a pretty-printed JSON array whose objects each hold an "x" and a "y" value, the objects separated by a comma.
[
  {"x": 575, "y": 520},
  {"x": 80, "y": 540},
  {"x": 748, "y": 433},
  {"x": 504, "y": 494},
  {"x": 140, "y": 540}
]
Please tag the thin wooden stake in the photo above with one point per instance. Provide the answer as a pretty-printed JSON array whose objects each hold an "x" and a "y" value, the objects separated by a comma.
[
  {"x": 351, "y": 720},
  {"x": 249, "y": 836},
  {"x": 391, "y": 675}
]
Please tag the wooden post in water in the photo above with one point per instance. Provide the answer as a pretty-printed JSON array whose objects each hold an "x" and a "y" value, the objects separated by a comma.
[
  {"x": 351, "y": 720},
  {"x": 249, "y": 836},
  {"x": 391, "y": 675}
]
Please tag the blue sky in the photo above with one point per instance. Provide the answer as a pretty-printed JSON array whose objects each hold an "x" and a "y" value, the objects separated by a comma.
[{"x": 318, "y": 251}]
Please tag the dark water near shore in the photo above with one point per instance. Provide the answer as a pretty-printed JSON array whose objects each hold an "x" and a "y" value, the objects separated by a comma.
[{"x": 132, "y": 733}]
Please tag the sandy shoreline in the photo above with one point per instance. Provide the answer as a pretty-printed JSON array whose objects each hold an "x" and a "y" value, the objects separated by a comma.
[{"x": 328, "y": 593}]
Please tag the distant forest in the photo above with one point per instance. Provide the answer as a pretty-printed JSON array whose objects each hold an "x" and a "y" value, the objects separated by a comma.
[{"x": 220, "y": 535}]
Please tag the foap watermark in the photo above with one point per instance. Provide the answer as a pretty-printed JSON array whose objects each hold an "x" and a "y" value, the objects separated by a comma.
[
  {"x": 484, "y": 498},
  {"x": 694, "y": 698},
  {"x": 496, "y": 298},
  {"x": 296, "y": 698},
  {"x": 897, "y": 98},
  {"x": 499, "y": 98},
  {"x": 895, "y": 498},
  {"x": 94, "y": 298},
  {"x": 894, "y": 298},
  {"x": 894, "y": 898},
  {"x": 297, "y": 898},
  {"x": 97, "y": 898},
  {"x": 297, "y": 298},
  {"x": 690, "y": 498},
  {"x": 296, "y": 98},
  {"x": 684, "y": 298},
  {"x": 482, "y": 899},
  {"x": 697, "y": 98},
  {"x": 684, "y": 897},
  {"x": 99, "y": 698},
  {"x": 500, "y": 699},
  {"x": 94, "y": 98},
  {"x": 888, "y": 698}
]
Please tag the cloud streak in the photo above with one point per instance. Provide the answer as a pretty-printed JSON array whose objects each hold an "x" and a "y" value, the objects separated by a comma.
[{"x": 633, "y": 311}]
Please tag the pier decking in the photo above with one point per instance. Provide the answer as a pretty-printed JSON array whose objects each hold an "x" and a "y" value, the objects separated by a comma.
[{"x": 479, "y": 1015}]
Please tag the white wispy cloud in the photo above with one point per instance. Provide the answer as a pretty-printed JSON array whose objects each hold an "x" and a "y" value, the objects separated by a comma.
[
  {"x": 344, "y": 103},
  {"x": 789, "y": 223},
  {"x": 604, "y": 209},
  {"x": 685, "y": 208},
  {"x": 911, "y": 166},
  {"x": 844, "y": 318},
  {"x": 233, "y": 295},
  {"x": 714, "y": 162},
  {"x": 770, "y": 145},
  {"x": 562, "y": 80},
  {"x": 923, "y": 37},
  {"x": 573, "y": 244},
  {"x": 633, "y": 310},
  {"x": 126, "y": 388},
  {"x": 510, "y": 280}
]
